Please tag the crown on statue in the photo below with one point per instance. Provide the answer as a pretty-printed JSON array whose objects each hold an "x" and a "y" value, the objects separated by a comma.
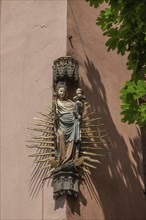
[{"x": 66, "y": 69}]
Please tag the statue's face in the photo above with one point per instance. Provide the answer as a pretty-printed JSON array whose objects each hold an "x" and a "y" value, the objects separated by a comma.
[
  {"x": 61, "y": 93},
  {"x": 79, "y": 93}
]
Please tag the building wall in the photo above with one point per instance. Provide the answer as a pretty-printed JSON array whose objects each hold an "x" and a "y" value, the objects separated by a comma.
[
  {"x": 33, "y": 35},
  {"x": 118, "y": 181}
]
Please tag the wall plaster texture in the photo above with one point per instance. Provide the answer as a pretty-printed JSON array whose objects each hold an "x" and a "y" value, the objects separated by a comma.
[
  {"x": 33, "y": 34},
  {"x": 118, "y": 182}
]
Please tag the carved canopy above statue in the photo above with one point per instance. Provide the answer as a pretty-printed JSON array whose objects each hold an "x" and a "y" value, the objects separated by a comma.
[{"x": 66, "y": 69}]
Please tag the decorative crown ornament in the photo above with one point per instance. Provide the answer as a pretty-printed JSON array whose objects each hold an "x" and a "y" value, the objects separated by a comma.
[{"x": 66, "y": 68}]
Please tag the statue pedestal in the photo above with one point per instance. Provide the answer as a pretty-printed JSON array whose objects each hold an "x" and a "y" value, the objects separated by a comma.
[{"x": 66, "y": 182}]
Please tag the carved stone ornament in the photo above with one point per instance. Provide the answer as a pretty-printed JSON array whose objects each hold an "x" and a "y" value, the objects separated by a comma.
[
  {"x": 69, "y": 136},
  {"x": 66, "y": 69}
]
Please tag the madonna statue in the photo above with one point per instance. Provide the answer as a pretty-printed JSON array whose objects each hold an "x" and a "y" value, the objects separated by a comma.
[
  {"x": 61, "y": 154},
  {"x": 67, "y": 126}
]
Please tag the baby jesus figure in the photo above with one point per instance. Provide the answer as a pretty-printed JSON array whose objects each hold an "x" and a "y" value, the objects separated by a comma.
[{"x": 79, "y": 100}]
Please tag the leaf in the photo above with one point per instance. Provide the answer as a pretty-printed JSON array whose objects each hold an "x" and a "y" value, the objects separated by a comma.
[
  {"x": 95, "y": 3},
  {"x": 124, "y": 24},
  {"x": 141, "y": 88}
]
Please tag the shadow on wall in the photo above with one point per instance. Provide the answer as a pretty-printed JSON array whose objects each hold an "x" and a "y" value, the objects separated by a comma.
[{"x": 116, "y": 180}]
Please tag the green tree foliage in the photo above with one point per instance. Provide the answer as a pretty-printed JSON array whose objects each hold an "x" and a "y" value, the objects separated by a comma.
[{"x": 124, "y": 23}]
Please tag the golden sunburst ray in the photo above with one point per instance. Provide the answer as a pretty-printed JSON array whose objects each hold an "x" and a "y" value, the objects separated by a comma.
[
  {"x": 43, "y": 160},
  {"x": 87, "y": 107},
  {"x": 42, "y": 154},
  {"x": 49, "y": 108},
  {"x": 93, "y": 142},
  {"x": 40, "y": 146},
  {"x": 36, "y": 178},
  {"x": 48, "y": 166},
  {"x": 89, "y": 165},
  {"x": 41, "y": 130},
  {"x": 88, "y": 114},
  {"x": 40, "y": 141},
  {"x": 46, "y": 115},
  {"x": 78, "y": 161},
  {"x": 91, "y": 148},
  {"x": 49, "y": 111},
  {"x": 91, "y": 120},
  {"x": 91, "y": 160},
  {"x": 93, "y": 136},
  {"x": 44, "y": 120},
  {"x": 50, "y": 125},
  {"x": 40, "y": 137},
  {"x": 85, "y": 169},
  {"x": 38, "y": 165},
  {"x": 90, "y": 153},
  {"x": 38, "y": 174},
  {"x": 92, "y": 131},
  {"x": 88, "y": 125}
]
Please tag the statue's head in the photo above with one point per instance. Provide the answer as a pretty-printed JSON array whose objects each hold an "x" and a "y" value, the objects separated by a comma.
[
  {"x": 61, "y": 90},
  {"x": 79, "y": 92}
]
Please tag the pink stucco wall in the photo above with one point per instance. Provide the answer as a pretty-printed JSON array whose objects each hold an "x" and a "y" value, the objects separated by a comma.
[
  {"x": 118, "y": 182},
  {"x": 33, "y": 34}
]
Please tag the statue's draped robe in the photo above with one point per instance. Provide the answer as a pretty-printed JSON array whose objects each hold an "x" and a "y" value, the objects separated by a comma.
[{"x": 68, "y": 131}]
